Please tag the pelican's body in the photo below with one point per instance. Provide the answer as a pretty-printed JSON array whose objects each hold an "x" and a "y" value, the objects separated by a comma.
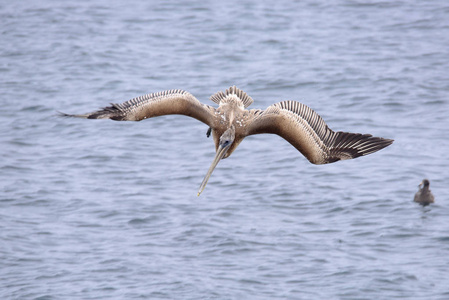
[
  {"x": 424, "y": 196},
  {"x": 231, "y": 122}
]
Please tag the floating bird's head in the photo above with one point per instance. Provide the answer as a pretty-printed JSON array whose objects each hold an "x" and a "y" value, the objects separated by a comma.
[
  {"x": 225, "y": 142},
  {"x": 424, "y": 183}
]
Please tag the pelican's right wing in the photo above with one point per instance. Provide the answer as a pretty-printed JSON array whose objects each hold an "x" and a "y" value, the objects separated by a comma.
[
  {"x": 306, "y": 131},
  {"x": 173, "y": 102}
]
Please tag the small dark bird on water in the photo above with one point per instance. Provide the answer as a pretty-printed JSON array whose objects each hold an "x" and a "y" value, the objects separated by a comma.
[
  {"x": 424, "y": 196},
  {"x": 231, "y": 122}
]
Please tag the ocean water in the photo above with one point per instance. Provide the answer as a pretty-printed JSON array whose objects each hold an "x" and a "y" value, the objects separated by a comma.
[{"x": 96, "y": 209}]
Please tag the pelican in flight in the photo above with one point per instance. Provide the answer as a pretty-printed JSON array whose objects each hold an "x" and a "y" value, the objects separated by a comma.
[{"x": 231, "y": 122}]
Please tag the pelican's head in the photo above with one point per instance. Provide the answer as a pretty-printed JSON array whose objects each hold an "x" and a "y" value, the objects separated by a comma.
[{"x": 225, "y": 142}]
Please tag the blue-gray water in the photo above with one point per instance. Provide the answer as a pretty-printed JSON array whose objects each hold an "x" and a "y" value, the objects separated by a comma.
[{"x": 96, "y": 209}]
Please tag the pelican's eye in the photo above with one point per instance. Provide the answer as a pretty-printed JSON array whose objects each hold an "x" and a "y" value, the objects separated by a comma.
[{"x": 226, "y": 143}]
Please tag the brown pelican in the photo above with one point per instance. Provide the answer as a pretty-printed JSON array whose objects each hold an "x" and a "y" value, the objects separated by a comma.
[
  {"x": 424, "y": 196},
  {"x": 231, "y": 122}
]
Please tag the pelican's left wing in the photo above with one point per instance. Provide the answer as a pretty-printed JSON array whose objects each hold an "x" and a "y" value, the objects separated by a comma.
[
  {"x": 173, "y": 102},
  {"x": 306, "y": 131}
]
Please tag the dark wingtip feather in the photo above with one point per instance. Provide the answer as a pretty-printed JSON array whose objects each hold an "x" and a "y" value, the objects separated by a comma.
[
  {"x": 65, "y": 115},
  {"x": 110, "y": 112},
  {"x": 61, "y": 114},
  {"x": 378, "y": 143},
  {"x": 370, "y": 145},
  {"x": 353, "y": 145}
]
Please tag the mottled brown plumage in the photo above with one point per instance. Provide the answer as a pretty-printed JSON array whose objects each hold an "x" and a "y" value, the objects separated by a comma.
[{"x": 231, "y": 122}]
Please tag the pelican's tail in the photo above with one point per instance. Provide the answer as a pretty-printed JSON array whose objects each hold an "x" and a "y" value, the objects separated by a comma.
[{"x": 232, "y": 94}]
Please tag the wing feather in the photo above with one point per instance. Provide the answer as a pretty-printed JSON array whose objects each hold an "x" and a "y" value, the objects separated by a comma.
[
  {"x": 306, "y": 131},
  {"x": 152, "y": 105}
]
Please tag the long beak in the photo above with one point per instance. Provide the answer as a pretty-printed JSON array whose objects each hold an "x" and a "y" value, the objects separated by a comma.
[{"x": 221, "y": 151}]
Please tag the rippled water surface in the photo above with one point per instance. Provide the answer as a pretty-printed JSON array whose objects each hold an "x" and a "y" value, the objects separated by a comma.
[{"x": 96, "y": 209}]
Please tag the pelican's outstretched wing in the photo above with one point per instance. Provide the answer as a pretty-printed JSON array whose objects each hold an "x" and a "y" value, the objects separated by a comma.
[
  {"x": 307, "y": 132},
  {"x": 173, "y": 102}
]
